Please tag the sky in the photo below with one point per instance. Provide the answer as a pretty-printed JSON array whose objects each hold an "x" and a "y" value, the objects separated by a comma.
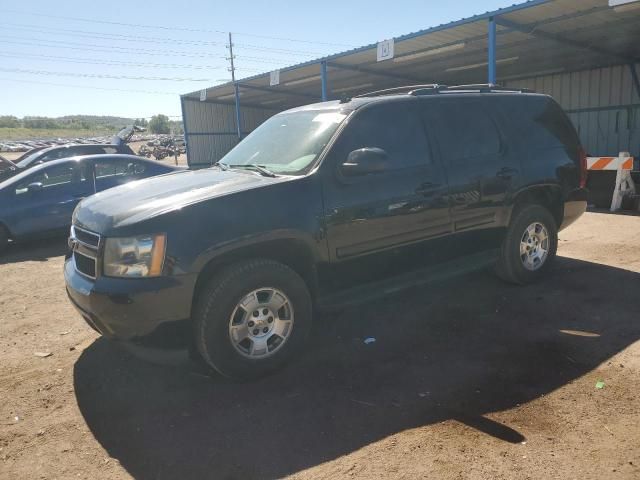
[{"x": 134, "y": 59}]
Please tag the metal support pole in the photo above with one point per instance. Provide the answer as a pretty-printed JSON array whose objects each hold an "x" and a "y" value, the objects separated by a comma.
[
  {"x": 634, "y": 76},
  {"x": 323, "y": 78},
  {"x": 186, "y": 131},
  {"x": 236, "y": 89},
  {"x": 492, "y": 50}
]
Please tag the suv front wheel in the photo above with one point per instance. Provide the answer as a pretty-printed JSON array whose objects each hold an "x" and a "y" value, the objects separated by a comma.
[
  {"x": 252, "y": 318},
  {"x": 529, "y": 246}
]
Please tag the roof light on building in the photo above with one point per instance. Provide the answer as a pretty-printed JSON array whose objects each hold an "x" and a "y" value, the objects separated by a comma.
[{"x": 430, "y": 53}]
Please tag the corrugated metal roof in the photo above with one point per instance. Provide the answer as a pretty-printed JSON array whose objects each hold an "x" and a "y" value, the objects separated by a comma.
[{"x": 533, "y": 37}]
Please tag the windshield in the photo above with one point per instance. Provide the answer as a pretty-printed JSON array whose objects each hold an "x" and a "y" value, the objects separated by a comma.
[
  {"x": 287, "y": 143},
  {"x": 25, "y": 162}
]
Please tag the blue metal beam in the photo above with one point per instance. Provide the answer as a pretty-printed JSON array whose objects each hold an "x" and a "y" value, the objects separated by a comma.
[
  {"x": 492, "y": 51},
  {"x": 323, "y": 78},
  {"x": 634, "y": 76}
]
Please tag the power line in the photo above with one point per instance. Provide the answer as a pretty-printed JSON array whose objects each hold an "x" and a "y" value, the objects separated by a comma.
[
  {"x": 95, "y": 75},
  {"x": 174, "y": 28},
  {"x": 87, "y": 86},
  {"x": 139, "y": 38},
  {"x": 90, "y": 61},
  {"x": 110, "y": 48},
  {"x": 123, "y": 50}
]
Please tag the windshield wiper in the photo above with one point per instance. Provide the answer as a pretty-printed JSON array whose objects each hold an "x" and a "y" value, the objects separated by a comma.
[
  {"x": 261, "y": 169},
  {"x": 221, "y": 166}
]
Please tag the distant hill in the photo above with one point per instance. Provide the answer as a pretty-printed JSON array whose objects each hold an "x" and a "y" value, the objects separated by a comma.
[{"x": 72, "y": 122}]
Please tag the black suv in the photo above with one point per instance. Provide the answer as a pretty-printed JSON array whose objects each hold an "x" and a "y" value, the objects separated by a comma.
[{"x": 327, "y": 204}]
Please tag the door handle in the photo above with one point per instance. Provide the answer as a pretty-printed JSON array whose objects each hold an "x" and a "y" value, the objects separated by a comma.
[{"x": 506, "y": 173}]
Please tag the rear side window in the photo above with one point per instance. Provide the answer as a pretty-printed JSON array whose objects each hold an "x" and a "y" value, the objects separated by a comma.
[
  {"x": 465, "y": 130},
  {"x": 393, "y": 127},
  {"x": 117, "y": 168}
]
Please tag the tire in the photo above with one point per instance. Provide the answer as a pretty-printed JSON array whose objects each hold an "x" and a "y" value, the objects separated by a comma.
[
  {"x": 522, "y": 269},
  {"x": 217, "y": 313}
]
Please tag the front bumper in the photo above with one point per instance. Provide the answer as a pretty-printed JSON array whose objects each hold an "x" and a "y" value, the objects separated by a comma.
[{"x": 129, "y": 308}]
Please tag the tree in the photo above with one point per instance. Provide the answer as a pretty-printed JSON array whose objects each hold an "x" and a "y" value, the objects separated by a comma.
[
  {"x": 159, "y": 124},
  {"x": 9, "y": 121}
]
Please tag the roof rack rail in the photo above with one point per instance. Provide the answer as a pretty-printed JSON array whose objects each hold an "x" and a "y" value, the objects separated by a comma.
[
  {"x": 434, "y": 89},
  {"x": 475, "y": 87},
  {"x": 397, "y": 90}
]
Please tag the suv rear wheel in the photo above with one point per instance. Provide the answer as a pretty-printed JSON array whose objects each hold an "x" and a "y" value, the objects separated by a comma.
[
  {"x": 529, "y": 246},
  {"x": 252, "y": 318}
]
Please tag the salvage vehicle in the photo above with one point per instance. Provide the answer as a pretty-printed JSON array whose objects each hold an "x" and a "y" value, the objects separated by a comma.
[
  {"x": 7, "y": 168},
  {"x": 42, "y": 154},
  {"x": 72, "y": 150},
  {"x": 39, "y": 201},
  {"x": 324, "y": 205}
]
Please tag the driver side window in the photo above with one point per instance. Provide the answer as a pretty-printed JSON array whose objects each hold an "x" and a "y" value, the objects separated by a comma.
[
  {"x": 55, "y": 176},
  {"x": 394, "y": 127}
]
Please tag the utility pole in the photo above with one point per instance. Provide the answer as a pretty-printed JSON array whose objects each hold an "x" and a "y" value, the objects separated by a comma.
[{"x": 235, "y": 87}]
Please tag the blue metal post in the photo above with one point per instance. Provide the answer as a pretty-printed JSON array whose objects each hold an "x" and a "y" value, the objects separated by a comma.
[
  {"x": 634, "y": 76},
  {"x": 492, "y": 50},
  {"x": 323, "y": 78}
]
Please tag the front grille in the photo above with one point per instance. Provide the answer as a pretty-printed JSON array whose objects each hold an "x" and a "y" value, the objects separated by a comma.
[
  {"x": 88, "y": 238},
  {"x": 85, "y": 246},
  {"x": 85, "y": 265}
]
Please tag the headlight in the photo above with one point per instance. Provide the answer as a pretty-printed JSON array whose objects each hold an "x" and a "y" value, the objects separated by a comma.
[{"x": 141, "y": 256}]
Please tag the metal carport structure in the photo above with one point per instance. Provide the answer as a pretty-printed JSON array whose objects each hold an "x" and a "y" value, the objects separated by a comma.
[{"x": 583, "y": 52}]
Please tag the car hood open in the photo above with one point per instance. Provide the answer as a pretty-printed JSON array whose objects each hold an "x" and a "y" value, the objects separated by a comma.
[{"x": 144, "y": 199}]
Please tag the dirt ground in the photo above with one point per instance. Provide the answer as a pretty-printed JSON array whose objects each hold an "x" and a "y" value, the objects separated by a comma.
[{"x": 472, "y": 378}]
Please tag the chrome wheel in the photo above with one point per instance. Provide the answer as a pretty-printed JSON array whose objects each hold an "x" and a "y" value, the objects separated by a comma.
[
  {"x": 534, "y": 246},
  {"x": 261, "y": 323}
]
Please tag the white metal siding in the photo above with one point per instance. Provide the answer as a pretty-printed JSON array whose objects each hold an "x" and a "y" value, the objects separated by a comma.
[
  {"x": 588, "y": 96},
  {"x": 210, "y": 128}
]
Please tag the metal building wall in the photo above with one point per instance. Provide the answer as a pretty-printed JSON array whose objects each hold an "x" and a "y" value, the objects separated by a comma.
[
  {"x": 210, "y": 128},
  {"x": 603, "y": 104}
]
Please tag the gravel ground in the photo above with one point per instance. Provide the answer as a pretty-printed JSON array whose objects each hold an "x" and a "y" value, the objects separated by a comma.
[{"x": 471, "y": 378}]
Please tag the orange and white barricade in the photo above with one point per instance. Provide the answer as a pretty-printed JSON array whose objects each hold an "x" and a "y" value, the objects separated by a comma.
[{"x": 623, "y": 165}]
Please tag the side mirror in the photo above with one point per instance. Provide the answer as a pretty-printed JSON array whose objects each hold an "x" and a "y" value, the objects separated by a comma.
[
  {"x": 34, "y": 187},
  {"x": 365, "y": 161}
]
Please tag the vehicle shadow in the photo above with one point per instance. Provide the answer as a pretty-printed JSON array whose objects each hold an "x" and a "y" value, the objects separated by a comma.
[
  {"x": 458, "y": 351},
  {"x": 35, "y": 250}
]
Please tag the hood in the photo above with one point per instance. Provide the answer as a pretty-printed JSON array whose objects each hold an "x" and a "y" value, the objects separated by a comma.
[{"x": 144, "y": 199}]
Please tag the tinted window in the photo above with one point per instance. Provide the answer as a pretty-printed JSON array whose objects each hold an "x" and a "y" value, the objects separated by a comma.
[
  {"x": 465, "y": 130},
  {"x": 55, "y": 176},
  {"x": 117, "y": 167},
  {"x": 393, "y": 127},
  {"x": 109, "y": 150},
  {"x": 542, "y": 121}
]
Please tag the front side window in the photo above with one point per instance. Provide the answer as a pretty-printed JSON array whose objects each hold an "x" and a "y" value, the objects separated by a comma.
[
  {"x": 393, "y": 127},
  {"x": 56, "y": 176},
  {"x": 287, "y": 143}
]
